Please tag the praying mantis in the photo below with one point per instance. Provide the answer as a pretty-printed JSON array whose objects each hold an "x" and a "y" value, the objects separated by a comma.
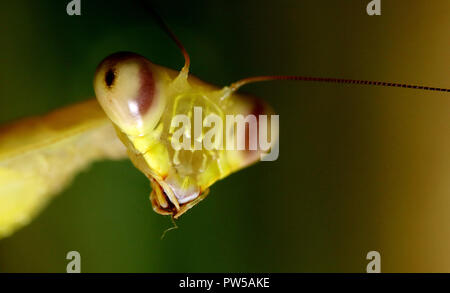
[{"x": 40, "y": 156}]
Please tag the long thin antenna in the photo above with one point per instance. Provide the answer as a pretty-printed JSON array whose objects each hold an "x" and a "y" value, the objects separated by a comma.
[
  {"x": 236, "y": 85},
  {"x": 160, "y": 21}
]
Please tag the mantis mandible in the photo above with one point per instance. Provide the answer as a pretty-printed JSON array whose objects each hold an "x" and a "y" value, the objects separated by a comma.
[{"x": 40, "y": 156}]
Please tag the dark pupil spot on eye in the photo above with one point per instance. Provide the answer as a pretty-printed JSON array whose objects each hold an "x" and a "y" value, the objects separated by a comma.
[{"x": 110, "y": 76}]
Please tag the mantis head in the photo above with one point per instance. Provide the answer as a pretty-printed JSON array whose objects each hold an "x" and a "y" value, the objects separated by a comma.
[{"x": 138, "y": 97}]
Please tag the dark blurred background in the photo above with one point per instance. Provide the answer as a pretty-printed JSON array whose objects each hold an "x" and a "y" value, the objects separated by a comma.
[{"x": 360, "y": 168}]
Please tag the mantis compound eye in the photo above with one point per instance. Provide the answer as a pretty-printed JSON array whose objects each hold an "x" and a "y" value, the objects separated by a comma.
[{"x": 128, "y": 89}]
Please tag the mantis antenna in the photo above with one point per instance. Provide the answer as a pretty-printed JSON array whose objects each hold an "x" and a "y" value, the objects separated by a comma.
[
  {"x": 236, "y": 85},
  {"x": 160, "y": 21}
]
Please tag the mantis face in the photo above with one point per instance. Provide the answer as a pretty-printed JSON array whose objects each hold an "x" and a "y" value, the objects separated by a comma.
[{"x": 142, "y": 98}]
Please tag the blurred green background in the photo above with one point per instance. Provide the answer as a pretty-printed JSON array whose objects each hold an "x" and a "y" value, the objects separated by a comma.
[{"x": 360, "y": 168}]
